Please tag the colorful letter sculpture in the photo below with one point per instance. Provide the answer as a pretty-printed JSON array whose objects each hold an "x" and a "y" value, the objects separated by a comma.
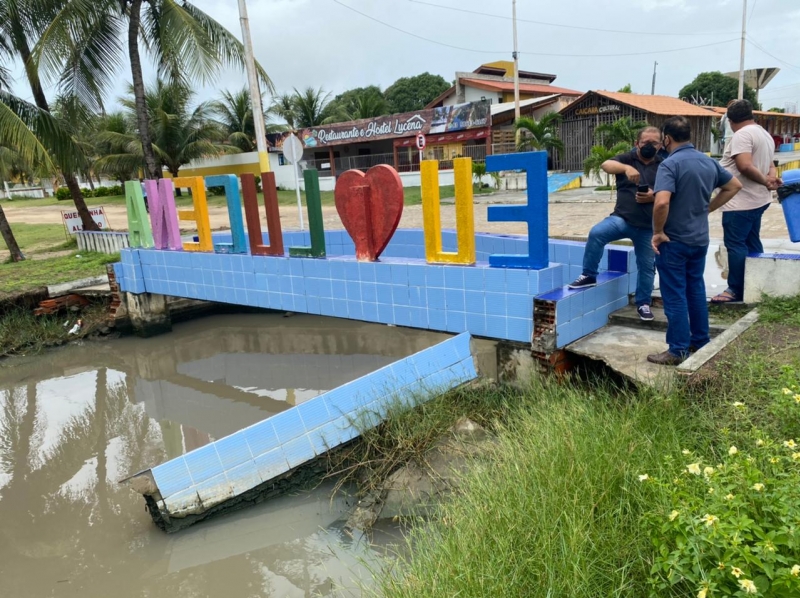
[
  {"x": 139, "y": 231},
  {"x": 315, "y": 225},
  {"x": 164, "y": 217},
  {"x": 465, "y": 217},
  {"x": 231, "y": 186},
  {"x": 370, "y": 206},
  {"x": 257, "y": 246},
  {"x": 199, "y": 214},
  {"x": 534, "y": 213}
]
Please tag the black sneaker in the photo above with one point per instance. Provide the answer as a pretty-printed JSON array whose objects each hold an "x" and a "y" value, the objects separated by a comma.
[
  {"x": 583, "y": 282},
  {"x": 645, "y": 314}
]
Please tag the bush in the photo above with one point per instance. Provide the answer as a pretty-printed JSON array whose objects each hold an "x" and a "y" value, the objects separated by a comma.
[
  {"x": 216, "y": 191},
  {"x": 115, "y": 190},
  {"x": 101, "y": 192},
  {"x": 63, "y": 193},
  {"x": 729, "y": 528}
]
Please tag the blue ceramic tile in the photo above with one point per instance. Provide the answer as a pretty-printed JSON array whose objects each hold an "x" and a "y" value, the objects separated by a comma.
[
  {"x": 474, "y": 279},
  {"x": 576, "y": 254},
  {"x": 338, "y": 289},
  {"x": 456, "y": 321},
  {"x": 351, "y": 273},
  {"x": 314, "y": 413},
  {"x": 384, "y": 293},
  {"x": 261, "y": 437},
  {"x": 400, "y": 295},
  {"x": 355, "y": 310},
  {"x": 386, "y": 313},
  {"x": 402, "y": 315},
  {"x": 399, "y": 274},
  {"x": 434, "y": 276},
  {"x": 476, "y": 323},
  {"x": 203, "y": 463},
  {"x": 367, "y": 272},
  {"x": 437, "y": 319},
  {"x": 419, "y": 317},
  {"x": 243, "y": 478},
  {"x": 495, "y": 279},
  {"x": 353, "y": 290},
  {"x": 520, "y": 330},
  {"x": 370, "y": 312},
  {"x": 288, "y": 425},
  {"x": 417, "y": 297},
  {"x": 340, "y": 308},
  {"x": 214, "y": 491},
  {"x": 517, "y": 306},
  {"x": 617, "y": 260},
  {"x": 416, "y": 275},
  {"x": 312, "y": 305},
  {"x": 436, "y": 299},
  {"x": 562, "y": 253},
  {"x": 271, "y": 464},
  {"x": 474, "y": 302},
  {"x": 369, "y": 292},
  {"x": 455, "y": 300},
  {"x": 453, "y": 277},
  {"x": 326, "y": 306},
  {"x": 383, "y": 273},
  {"x": 517, "y": 281},
  {"x": 496, "y": 326}
]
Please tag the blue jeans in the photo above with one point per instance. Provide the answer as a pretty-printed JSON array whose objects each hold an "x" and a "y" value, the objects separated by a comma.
[
  {"x": 615, "y": 228},
  {"x": 680, "y": 268},
  {"x": 741, "y": 231}
]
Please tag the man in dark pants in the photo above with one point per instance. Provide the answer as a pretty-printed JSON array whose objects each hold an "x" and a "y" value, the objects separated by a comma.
[
  {"x": 683, "y": 190},
  {"x": 632, "y": 217},
  {"x": 749, "y": 157}
]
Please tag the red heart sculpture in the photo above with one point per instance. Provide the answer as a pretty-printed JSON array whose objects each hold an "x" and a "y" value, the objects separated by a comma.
[{"x": 370, "y": 206}]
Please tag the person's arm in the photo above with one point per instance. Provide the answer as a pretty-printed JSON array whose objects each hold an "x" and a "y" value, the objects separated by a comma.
[
  {"x": 617, "y": 167},
  {"x": 744, "y": 162},
  {"x": 726, "y": 193},
  {"x": 660, "y": 214}
]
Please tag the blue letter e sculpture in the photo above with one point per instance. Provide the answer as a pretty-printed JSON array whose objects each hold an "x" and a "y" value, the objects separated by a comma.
[{"x": 534, "y": 213}]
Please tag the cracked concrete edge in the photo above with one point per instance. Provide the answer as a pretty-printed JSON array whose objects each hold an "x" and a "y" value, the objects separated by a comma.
[
  {"x": 66, "y": 287},
  {"x": 699, "y": 359}
]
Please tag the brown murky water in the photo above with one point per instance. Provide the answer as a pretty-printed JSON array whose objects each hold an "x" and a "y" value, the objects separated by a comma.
[{"x": 76, "y": 420}]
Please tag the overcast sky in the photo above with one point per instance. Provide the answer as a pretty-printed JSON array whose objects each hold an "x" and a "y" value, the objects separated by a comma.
[{"x": 322, "y": 43}]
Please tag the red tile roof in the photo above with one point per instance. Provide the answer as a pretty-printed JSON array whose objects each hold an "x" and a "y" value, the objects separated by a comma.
[
  {"x": 523, "y": 87},
  {"x": 664, "y": 105}
]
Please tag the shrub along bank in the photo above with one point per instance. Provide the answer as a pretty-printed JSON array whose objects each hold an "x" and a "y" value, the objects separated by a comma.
[{"x": 595, "y": 491}]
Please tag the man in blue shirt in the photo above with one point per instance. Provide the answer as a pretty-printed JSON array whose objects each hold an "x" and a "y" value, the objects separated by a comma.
[{"x": 683, "y": 190}]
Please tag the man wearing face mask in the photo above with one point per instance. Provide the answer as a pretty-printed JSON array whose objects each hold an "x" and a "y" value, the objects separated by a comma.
[{"x": 632, "y": 217}]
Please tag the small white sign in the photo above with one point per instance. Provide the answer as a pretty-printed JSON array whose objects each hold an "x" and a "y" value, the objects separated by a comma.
[
  {"x": 420, "y": 142},
  {"x": 292, "y": 148},
  {"x": 72, "y": 220}
]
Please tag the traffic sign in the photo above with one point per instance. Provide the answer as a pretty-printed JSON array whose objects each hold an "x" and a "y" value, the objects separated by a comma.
[
  {"x": 292, "y": 148},
  {"x": 420, "y": 141}
]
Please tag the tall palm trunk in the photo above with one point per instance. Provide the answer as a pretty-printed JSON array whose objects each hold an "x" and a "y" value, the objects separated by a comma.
[
  {"x": 41, "y": 102},
  {"x": 8, "y": 237},
  {"x": 152, "y": 168}
]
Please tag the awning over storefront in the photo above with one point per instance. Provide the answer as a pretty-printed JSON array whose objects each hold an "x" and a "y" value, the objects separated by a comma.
[{"x": 445, "y": 138}]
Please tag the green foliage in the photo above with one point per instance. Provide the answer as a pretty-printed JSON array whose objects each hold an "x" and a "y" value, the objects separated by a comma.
[
  {"x": 62, "y": 194},
  {"x": 780, "y": 310},
  {"x": 32, "y": 274},
  {"x": 592, "y": 165},
  {"x": 626, "y": 89},
  {"x": 358, "y": 103},
  {"x": 414, "y": 93},
  {"x": 541, "y": 135},
  {"x": 721, "y": 87},
  {"x": 777, "y": 110},
  {"x": 622, "y": 130},
  {"x": 308, "y": 108},
  {"x": 478, "y": 171}
]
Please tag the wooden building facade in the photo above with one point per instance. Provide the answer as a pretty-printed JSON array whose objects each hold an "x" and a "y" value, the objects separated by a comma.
[{"x": 584, "y": 115}]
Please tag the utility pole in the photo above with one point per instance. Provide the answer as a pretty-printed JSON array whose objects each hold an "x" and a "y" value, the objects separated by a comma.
[
  {"x": 653, "y": 89},
  {"x": 516, "y": 60},
  {"x": 741, "y": 57},
  {"x": 255, "y": 90}
]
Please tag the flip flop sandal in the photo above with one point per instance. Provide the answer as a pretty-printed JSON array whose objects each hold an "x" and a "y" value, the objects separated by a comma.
[{"x": 724, "y": 297}]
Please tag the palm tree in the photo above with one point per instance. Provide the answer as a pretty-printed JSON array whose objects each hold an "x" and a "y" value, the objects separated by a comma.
[
  {"x": 623, "y": 130},
  {"x": 33, "y": 136},
  {"x": 183, "y": 41},
  {"x": 20, "y": 22},
  {"x": 120, "y": 123},
  {"x": 539, "y": 135},
  {"x": 235, "y": 114},
  {"x": 309, "y": 108},
  {"x": 179, "y": 132},
  {"x": 598, "y": 155},
  {"x": 368, "y": 104}
]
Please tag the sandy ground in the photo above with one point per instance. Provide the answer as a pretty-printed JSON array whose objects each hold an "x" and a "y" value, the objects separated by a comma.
[{"x": 572, "y": 213}]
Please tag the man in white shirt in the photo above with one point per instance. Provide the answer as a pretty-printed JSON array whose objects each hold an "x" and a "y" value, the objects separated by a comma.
[{"x": 749, "y": 157}]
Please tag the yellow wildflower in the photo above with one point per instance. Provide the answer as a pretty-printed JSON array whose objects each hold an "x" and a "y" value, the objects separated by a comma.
[
  {"x": 729, "y": 496},
  {"x": 796, "y": 456},
  {"x": 796, "y": 398},
  {"x": 758, "y": 487},
  {"x": 708, "y": 471},
  {"x": 774, "y": 460},
  {"x": 686, "y": 452},
  {"x": 738, "y": 404},
  {"x": 732, "y": 451},
  {"x": 786, "y": 391},
  {"x": 693, "y": 468},
  {"x": 759, "y": 442},
  {"x": 711, "y": 491},
  {"x": 644, "y": 477},
  {"x": 769, "y": 546},
  {"x": 702, "y": 593},
  {"x": 748, "y": 586},
  {"x": 674, "y": 515},
  {"x": 736, "y": 572},
  {"x": 709, "y": 520},
  {"x": 796, "y": 570},
  {"x": 790, "y": 443},
  {"x": 721, "y": 566}
]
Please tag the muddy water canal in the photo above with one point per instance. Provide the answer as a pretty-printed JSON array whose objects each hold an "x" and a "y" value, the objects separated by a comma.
[{"x": 75, "y": 420}]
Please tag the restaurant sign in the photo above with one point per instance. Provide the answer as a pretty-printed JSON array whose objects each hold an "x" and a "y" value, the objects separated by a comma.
[
  {"x": 597, "y": 110},
  {"x": 410, "y": 124}
]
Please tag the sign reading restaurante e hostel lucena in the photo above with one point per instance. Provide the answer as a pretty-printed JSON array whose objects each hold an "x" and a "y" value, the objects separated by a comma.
[{"x": 409, "y": 124}]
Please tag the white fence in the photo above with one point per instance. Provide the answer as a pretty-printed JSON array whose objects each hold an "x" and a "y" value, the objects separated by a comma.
[{"x": 103, "y": 241}]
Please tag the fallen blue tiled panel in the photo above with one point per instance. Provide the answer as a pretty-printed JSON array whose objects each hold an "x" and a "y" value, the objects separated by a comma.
[{"x": 210, "y": 475}]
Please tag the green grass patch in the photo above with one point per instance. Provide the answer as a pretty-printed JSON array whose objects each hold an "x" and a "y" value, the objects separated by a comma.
[
  {"x": 30, "y": 274},
  {"x": 22, "y": 332},
  {"x": 38, "y": 238}
]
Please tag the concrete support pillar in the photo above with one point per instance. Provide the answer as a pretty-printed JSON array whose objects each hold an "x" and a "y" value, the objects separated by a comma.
[{"x": 149, "y": 313}]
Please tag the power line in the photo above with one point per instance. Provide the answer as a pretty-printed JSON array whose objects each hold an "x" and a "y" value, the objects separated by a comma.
[
  {"x": 504, "y": 17},
  {"x": 794, "y": 66},
  {"x": 752, "y": 10},
  {"x": 557, "y": 55}
]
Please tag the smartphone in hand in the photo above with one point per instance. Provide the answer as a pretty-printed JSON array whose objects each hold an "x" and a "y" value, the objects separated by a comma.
[{"x": 643, "y": 189}]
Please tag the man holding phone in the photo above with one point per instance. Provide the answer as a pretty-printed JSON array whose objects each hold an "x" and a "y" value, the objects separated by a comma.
[{"x": 632, "y": 217}]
